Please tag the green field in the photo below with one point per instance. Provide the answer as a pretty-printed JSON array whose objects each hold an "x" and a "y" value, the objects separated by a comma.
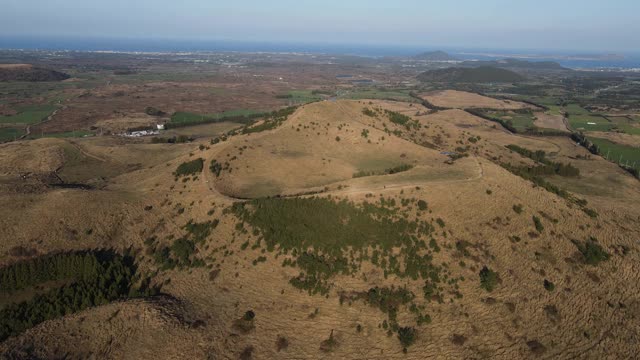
[
  {"x": 555, "y": 109},
  {"x": 625, "y": 124},
  {"x": 68, "y": 134},
  {"x": 187, "y": 117},
  {"x": 581, "y": 122},
  {"x": 575, "y": 109},
  {"x": 382, "y": 94},
  {"x": 29, "y": 114},
  {"x": 9, "y": 134},
  {"x": 618, "y": 153},
  {"x": 521, "y": 122},
  {"x": 302, "y": 96}
]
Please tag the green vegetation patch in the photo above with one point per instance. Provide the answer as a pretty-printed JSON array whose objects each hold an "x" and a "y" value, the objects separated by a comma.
[
  {"x": 538, "y": 224},
  {"x": 10, "y": 133},
  {"x": 518, "y": 121},
  {"x": 180, "y": 118},
  {"x": 389, "y": 171},
  {"x": 182, "y": 253},
  {"x": 275, "y": 119},
  {"x": 323, "y": 224},
  {"x": 215, "y": 167},
  {"x": 590, "y": 122},
  {"x": 401, "y": 119},
  {"x": 488, "y": 279},
  {"x": 618, "y": 153},
  {"x": 66, "y": 134},
  {"x": 29, "y": 114},
  {"x": 548, "y": 167},
  {"x": 592, "y": 252},
  {"x": 325, "y": 237},
  {"x": 302, "y": 96},
  {"x": 379, "y": 94},
  {"x": 189, "y": 168}
]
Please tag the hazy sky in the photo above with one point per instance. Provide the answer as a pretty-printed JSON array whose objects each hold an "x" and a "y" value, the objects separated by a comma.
[{"x": 606, "y": 25}]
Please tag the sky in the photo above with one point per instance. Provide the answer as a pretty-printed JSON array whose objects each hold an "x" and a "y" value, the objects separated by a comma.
[{"x": 603, "y": 26}]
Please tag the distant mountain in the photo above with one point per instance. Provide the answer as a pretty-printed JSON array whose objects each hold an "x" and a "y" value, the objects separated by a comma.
[
  {"x": 516, "y": 64},
  {"x": 482, "y": 74},
  {"x": 25, "y": 72},
  {"x": 434, "y": 56}
]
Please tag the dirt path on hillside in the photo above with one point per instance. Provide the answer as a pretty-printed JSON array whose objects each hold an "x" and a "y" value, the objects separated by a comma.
[
  {"x": 209, "y": 178},
  {"x": 86, "y": 153},
  {"x": 400, "y": 186},
  {"x": 49, "y": 118}
]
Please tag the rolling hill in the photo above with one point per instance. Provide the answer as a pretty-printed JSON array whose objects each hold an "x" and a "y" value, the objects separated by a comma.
[
  {"x": 345, "y": 229},
  {"x": 434, "y": 56},
  {"x": 25, "y": 72},
  {"x": 516, "y": 64},
  {"x": 483, "y": 74}
]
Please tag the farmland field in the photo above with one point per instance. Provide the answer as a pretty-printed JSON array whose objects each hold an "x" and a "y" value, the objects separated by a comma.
[
  {"x": 29, "y": 114},
  {"x": 521, "y": 121},
  {"x": 382, "y": 94},
  {"x": 302, "y": 96},
  {"x": 186, "y": 117},
  {"x": 66, "y": 134},
  {"x": 9, "y": 133},
  {"x": 618, "y": 153},
  {"x": 587, "y": 122}
]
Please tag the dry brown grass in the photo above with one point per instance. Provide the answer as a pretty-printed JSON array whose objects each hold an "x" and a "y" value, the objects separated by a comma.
[
  {"x": 304, "y": 153},
  {"x": 15, "y": 66},
  {"x": 620, "y": 138},
  {"x": 595, "y": 305},
  {"x": 548, "y": 121},
  {"x": 462, "y": 100}
]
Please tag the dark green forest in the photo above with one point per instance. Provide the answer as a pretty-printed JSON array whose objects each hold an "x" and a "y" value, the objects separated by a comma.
[{"x": 91, "y": 278}]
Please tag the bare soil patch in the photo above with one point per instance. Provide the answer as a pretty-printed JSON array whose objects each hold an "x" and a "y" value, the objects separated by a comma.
[{"x": 544, "y": 120}]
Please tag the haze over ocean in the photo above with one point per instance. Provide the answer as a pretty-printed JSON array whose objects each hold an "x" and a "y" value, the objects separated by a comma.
[{"x": 630, "y": 60}]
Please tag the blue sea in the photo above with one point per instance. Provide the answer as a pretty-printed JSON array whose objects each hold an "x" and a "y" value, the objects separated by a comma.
[{"x": 570, "y": 59}]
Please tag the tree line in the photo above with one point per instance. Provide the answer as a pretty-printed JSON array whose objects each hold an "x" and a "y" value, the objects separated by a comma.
[
  {"x": 548, "y": 167},
  {"x": 93, "y": 278}
]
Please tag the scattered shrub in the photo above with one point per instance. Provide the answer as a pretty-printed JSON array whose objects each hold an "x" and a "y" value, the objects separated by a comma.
[
  {"x": 488, "y": 279},
  {"x": 189, "y": 168},
  {"x": 369, "y": 112},
  {"x": 538, "y": 224},
  {"x": 407, "y": 336},
  {"x": 329, "y": 344},
  {"x": 282, "y": 343},
  {"x": 592, "y": 252},
  {"x": 548, "y": 285}
]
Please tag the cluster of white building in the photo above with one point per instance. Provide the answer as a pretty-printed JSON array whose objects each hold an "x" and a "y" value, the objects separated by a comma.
[{"x": 141, "y": 133}]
